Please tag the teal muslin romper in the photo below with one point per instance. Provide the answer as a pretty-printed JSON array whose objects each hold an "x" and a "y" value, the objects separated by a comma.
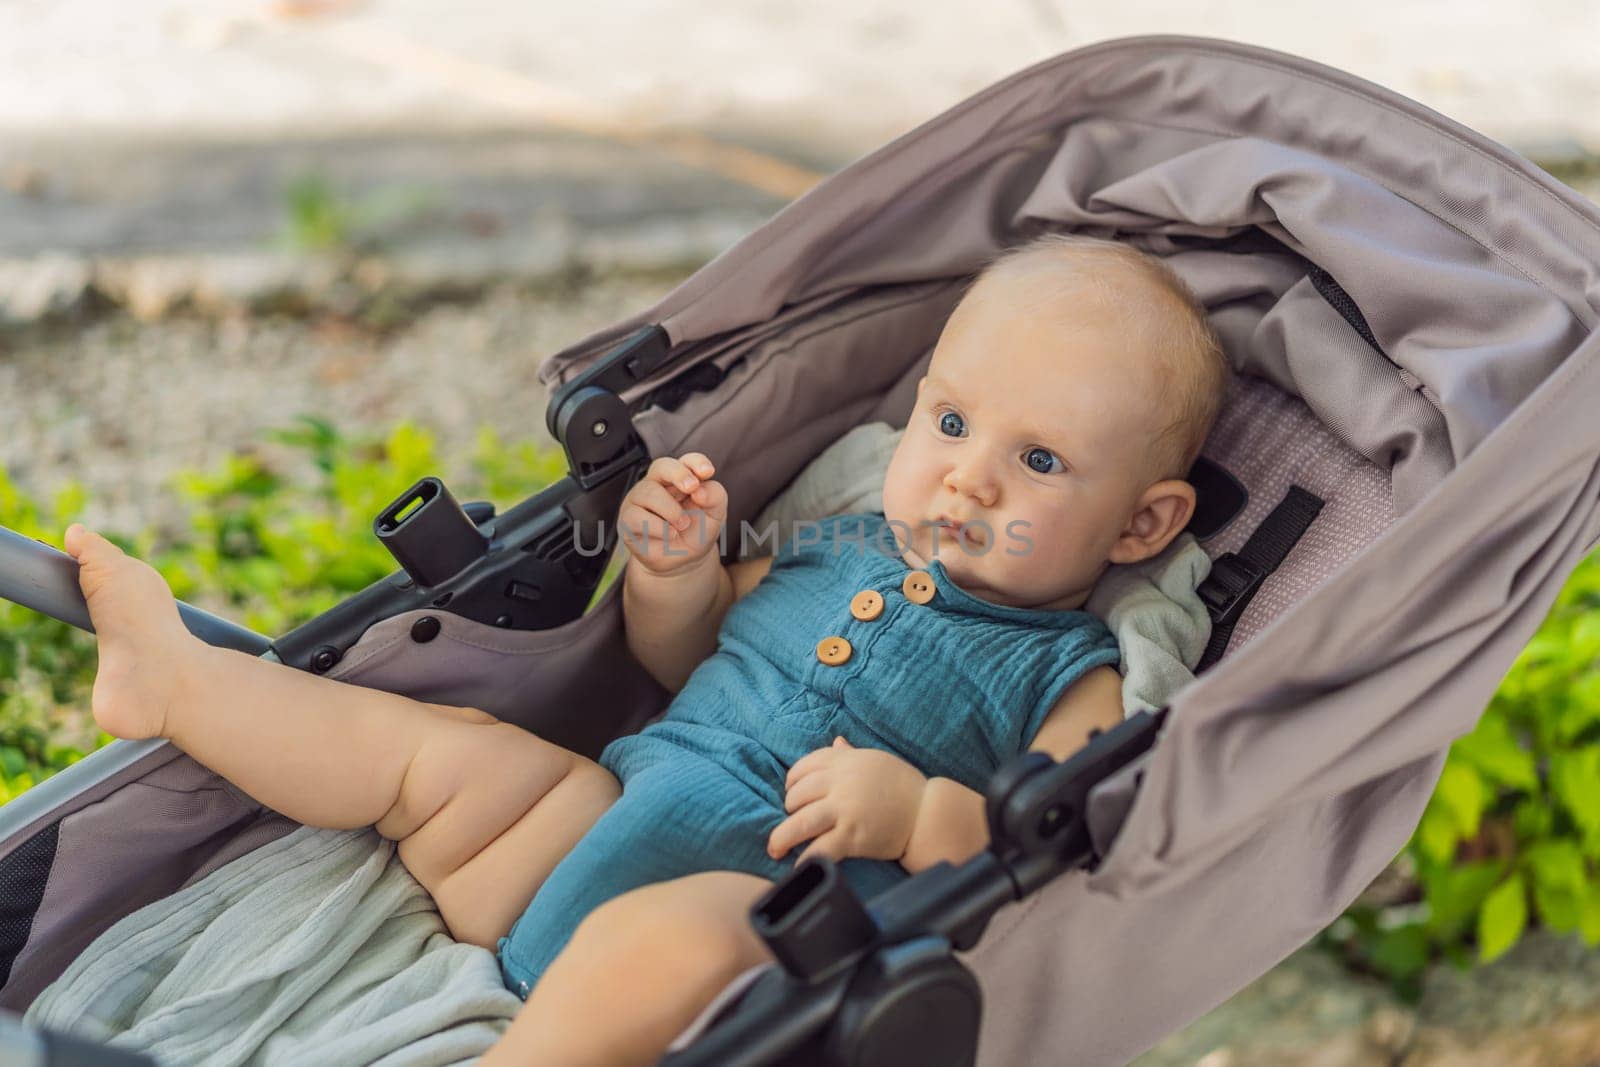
[{"x": 957, "y": 686}]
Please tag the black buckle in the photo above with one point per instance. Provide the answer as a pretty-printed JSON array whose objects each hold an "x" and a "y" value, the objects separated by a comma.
[{"x": 1229, "y": 587}]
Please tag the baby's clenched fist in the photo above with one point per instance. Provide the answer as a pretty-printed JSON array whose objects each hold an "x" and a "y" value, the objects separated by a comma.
[
  {"x": 849, "y": 801},
  {"x": 673, "y": 515}
]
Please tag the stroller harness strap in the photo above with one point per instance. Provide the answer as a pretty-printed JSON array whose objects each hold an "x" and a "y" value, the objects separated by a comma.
[{"x": 1236, "y": 576}]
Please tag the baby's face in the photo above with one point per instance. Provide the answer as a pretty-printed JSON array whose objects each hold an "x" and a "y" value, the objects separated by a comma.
[{"x": 1035, "y": 436}]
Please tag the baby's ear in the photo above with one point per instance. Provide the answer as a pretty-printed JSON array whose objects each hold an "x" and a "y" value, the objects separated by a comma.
[{"x": 1161, "y": 514}]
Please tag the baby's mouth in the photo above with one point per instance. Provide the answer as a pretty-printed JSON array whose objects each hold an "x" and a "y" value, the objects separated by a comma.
[{"x": 960, "y": 533}]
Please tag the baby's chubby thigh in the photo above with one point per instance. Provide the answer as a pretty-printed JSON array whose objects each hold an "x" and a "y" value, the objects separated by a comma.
[{"x": 676, "y": 817}]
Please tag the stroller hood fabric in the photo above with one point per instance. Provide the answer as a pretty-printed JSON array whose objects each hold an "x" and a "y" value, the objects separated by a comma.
[{"x": 1453, "y": 438}]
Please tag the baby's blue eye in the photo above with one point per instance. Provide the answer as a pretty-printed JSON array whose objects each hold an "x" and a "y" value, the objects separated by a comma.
[
  {"x": 1040, "y": 460},
  {"x": 950, "y": 423}
]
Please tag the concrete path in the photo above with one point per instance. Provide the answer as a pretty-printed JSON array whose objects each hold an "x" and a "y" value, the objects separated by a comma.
[{"x": 839, "y": 72}]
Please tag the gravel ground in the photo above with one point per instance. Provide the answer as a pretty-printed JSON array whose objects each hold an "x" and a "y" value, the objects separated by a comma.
[{"x": 121, "y": 405}]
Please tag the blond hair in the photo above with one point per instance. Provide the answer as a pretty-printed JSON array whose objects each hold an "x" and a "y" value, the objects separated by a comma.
[{"x": 1192, "y": 362}]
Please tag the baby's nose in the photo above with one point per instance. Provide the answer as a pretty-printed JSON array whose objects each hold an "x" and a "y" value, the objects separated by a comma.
[{"x": 974, "y": 481}]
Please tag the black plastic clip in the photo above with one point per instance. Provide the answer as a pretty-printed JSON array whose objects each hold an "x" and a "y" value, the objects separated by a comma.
[
  {"x": 430, "y": 535},
  {"x": 813, "y": 921},
  {"x": 1039, "y": 809},
  {"x": 636, "y": 358},
  {"x": 1228, "y": 588}
]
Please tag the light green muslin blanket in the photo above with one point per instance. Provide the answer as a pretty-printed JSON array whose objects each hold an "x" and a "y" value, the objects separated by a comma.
[{"x": 319, "y": 948}]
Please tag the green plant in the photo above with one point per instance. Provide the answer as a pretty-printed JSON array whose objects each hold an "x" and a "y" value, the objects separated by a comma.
[
  {"x": 319, "y": 218},
  {"x": 267, "y": 547},
  {"x": 1511, "y": 835},
  {"x": 44, "y": 664}
]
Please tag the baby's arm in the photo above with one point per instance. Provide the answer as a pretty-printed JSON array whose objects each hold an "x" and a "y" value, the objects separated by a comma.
[
  {"x": 951, "y": 822},
  {"x": 849, "y": 801},
  {"x": 675, "y": 592}
]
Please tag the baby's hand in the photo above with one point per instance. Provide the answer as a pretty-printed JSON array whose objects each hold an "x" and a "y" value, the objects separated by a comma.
[
  {"x": 659, "y": 531},
  {"x": 861, "y": 801}
]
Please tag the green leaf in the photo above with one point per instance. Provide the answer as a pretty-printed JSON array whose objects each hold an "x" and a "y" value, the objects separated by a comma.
[
  {"x": 410, "y": 452},
  {"x": 1584, "y": 643},
  {"x": 1575, "y": 778},
  {"x": 1504, "y": 915},
  {"x": 1401, "y": 952},
  {"x": 1560, "y": 882},
  {"x": 1582, "y": 708},
  {"x": 1560, "y": 910},
  {"x": 1533, "y": 818},
  {"x": 1589, "y": 917},
  {"x": 1464, "y": 796},
  {"x": 1494, "y": 752},
  {"x": 1454, "y": 895},
  {"x": 318, "y": 217},
  {"x": 1557, "y": 864},
  {"x": 1436, "y": 834}
]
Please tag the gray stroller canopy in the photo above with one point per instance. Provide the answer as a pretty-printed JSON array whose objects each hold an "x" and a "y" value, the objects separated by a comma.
[{"x": 1446, "y": 420}]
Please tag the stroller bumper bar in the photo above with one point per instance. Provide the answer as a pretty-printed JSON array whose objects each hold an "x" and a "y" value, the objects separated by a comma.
[
  {"x": 878, "y": 985},
  {"x": 45, "y": 579}
]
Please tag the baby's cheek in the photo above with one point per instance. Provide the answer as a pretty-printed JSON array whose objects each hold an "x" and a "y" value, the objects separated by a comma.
[
  {"x": 1017, "y": 543},
  {"x": 895, "y": 477},
  {"x": 897, "y": 502},
  {"x": 1018, "y": 569}
]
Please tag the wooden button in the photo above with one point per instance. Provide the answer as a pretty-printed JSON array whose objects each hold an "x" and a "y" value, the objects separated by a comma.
[
  {"x": 833, "y": 650},
  {"x": 918, "y": 587},
  {"x": 867, "y": 605}
]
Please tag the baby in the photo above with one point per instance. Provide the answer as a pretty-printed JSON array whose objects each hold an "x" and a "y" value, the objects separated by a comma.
[{"x": 849, "y": 698}]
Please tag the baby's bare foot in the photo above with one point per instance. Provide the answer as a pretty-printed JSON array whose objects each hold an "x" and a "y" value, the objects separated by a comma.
[{"x": 144, "y": 646}]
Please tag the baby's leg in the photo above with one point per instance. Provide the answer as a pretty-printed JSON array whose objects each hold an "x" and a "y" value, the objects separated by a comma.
[
  {"x": 637, "y": 971},
  {"x": 483, "y": 810}
]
